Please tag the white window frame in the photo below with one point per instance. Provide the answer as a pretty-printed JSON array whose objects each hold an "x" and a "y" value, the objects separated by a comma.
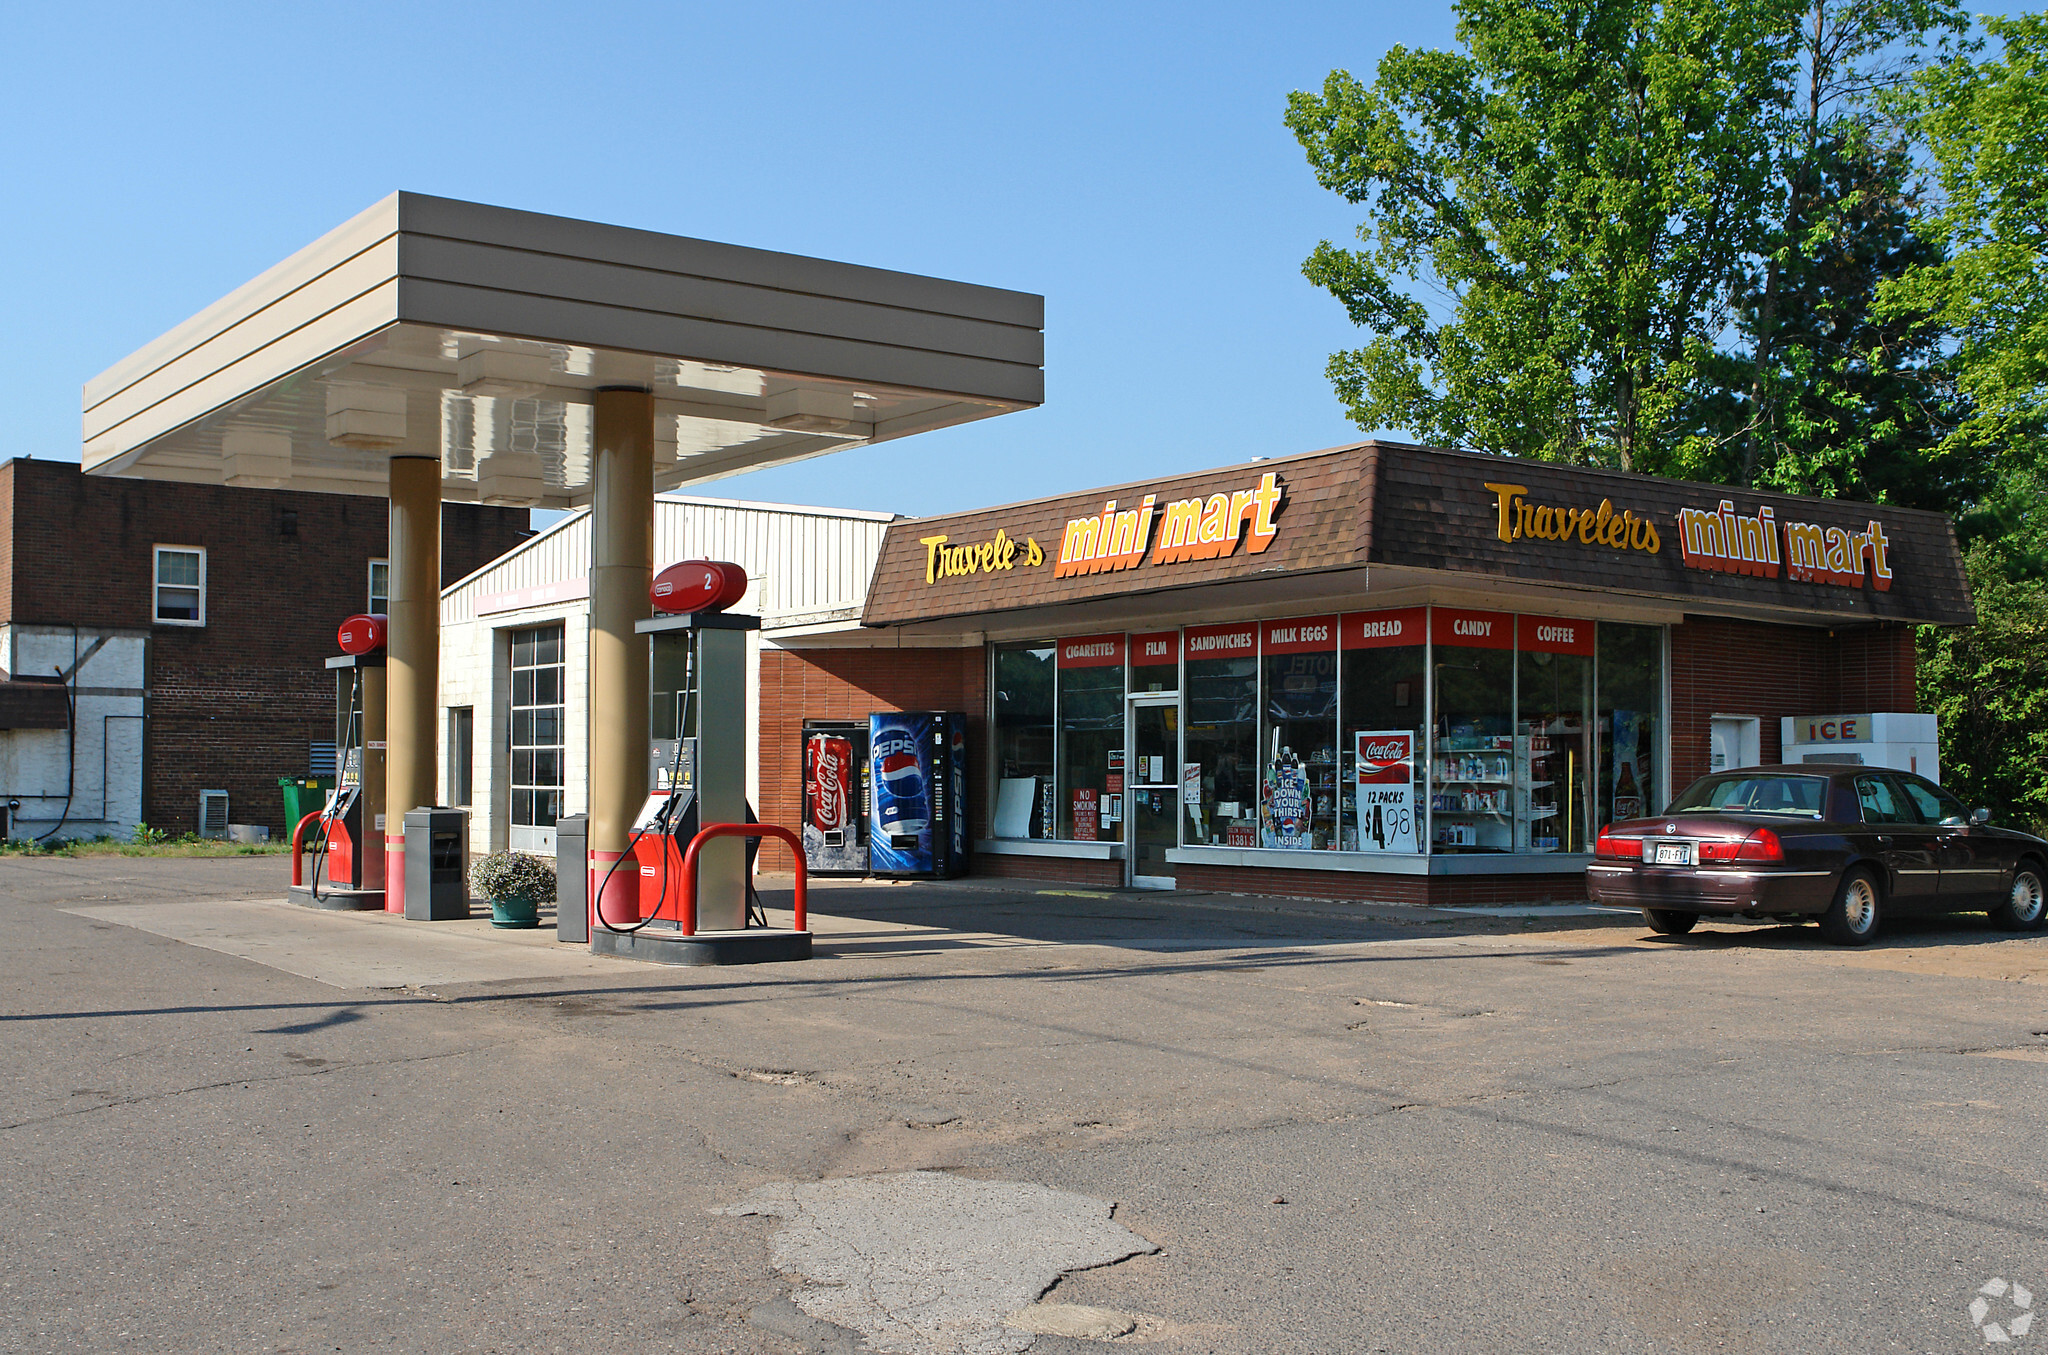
[
  {"x": 157, "y": 585},
  {"x": 371, "y": 594}
]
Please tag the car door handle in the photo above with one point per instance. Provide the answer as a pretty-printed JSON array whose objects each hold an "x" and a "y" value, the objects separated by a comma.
[{"x": 1884, "y": 839}]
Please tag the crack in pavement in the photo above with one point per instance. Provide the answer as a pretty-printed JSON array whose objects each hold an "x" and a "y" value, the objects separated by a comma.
[{"x": 301, "y": 1072}]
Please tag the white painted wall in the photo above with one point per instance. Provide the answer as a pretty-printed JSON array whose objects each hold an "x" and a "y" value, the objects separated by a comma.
[
  {"x": 105, "y": 759},
  {"x": 807, "y": 569}
]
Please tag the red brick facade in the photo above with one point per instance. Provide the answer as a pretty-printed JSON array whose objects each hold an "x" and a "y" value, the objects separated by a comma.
[
  {"x": 235, "y": 703},
  {"x": 848, "y": 684},
  {"x": 1721, "y": 667}
]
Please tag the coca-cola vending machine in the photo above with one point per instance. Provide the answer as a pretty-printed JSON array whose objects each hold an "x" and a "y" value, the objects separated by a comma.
[{"x": 836, "y": 797}]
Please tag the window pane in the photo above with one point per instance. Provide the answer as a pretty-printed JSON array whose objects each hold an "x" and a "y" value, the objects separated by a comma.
[
  {"x": 547, "y": 767},
  {"x": 177, "y": 604},
  {"x": 1552, "y": 751},
  {"x": 1222, "y": 703},
  {"x": 1880, "y": 803},
  {"x": 522, "y": 767},
  {"x": 547, "y": 686},
  {"x": 547, "y": 808},
  {"x": 1092, "y": 791},
  {"x": 522, "y": 808},
  {"x": 522, "y": 729},
  {"x": 1024, "y": 737},
  {"x": 549, "y": 647},
  {"x": 1631, "y": 683},
  {"x": 1933, "y": 803},
  {"x": 547, "y": 726},
  {"x": 522, "y": 686},
  {"x": 522, "y": 648},
  {"x": 178, "y": 567},
  {"x": 1471, "y": 800},
  {"x": 1298, "y": 788},
  {"x": 1383, "y": 691}
]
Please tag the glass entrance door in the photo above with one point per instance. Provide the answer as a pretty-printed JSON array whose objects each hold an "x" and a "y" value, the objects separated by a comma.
[{"x": 1152, "y": 772}]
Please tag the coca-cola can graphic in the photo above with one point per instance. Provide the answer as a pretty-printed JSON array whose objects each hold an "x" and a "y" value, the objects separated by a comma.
[{"x": 831, "y": 785}]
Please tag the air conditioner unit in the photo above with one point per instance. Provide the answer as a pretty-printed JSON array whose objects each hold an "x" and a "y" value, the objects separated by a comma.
[{"x": 213, "y": 813}]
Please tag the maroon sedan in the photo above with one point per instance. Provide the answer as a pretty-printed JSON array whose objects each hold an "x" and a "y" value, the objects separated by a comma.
[{"x": 1848, "y": 845}]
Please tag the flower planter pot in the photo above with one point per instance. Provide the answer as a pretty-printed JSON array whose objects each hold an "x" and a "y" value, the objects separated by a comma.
[{"x": 516, "y": 911}]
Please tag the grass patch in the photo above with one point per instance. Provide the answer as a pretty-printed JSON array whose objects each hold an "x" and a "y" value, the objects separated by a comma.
[{"x": 190, "y": 846}]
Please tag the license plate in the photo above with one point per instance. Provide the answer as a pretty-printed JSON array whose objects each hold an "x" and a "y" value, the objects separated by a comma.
[{"x": 1674, "y": 854}]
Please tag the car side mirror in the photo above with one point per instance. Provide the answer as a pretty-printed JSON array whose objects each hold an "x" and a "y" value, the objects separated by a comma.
[{"x": 1980, "y": 815}]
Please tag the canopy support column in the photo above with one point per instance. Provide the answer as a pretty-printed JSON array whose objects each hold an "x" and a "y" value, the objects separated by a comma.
[
  {"x": 413, "y": 658},
  {"x": 621, "y": 572}
]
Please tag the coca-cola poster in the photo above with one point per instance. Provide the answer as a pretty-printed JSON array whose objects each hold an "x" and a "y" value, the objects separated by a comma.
[{"x": 1388, "y": 818}]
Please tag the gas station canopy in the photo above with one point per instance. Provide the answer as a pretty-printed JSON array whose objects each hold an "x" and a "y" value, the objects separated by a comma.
[{"x": 427, "y": 326}]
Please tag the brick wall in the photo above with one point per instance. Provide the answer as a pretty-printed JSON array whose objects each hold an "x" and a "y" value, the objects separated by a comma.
[
  {"x": 1441, "y": 891},
  {"x": 233, "y": 704},
  {"x": 1749, "y": 668},
  {"x": 1066, "y": 870},
  {"x": 847, "y": 684}
]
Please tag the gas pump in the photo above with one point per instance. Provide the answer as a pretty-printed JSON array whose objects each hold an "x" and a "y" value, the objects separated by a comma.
[
  {"x": 689, "y": 898},
  {"x": 346, "y": 840}
]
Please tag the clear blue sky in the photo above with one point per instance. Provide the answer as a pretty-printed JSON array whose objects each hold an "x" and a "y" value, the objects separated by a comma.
[{"x": 1127, "y": 162}]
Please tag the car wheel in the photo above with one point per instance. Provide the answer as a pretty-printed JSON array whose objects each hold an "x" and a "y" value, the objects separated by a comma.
[
  {"x": 2023, "y": 907},
  {"x": 1851, "y": 920},
  {"x": 1666, "y": 922}
]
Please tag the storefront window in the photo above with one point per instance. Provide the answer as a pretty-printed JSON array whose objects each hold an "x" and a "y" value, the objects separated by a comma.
[
  {"x": 1155, "y": 662},
  {"x": 1023, "y": 741},
  {"x": 1631, "y": 686},
  {"x": 1553, "y": 705},
  {"x": 1472, "y": 753},
  {"x": 1222, "y": 738},
  {"x": 1091, "y": 723},
  {"x": 1298, "y": 774},
  {"x": 1384, "y": 683}
]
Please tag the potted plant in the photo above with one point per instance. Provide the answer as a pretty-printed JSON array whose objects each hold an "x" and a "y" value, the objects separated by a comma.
[{"x": 516, "y": 885}]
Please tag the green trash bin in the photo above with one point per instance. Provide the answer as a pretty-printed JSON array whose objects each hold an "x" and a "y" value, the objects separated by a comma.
[{"x": 303, "y": 795}]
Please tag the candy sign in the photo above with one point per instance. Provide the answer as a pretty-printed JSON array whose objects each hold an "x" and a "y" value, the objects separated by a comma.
[{"x": 1385, "y": 778}]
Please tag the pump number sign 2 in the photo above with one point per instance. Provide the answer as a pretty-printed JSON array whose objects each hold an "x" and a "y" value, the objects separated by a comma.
[{"x": 1387, "y": 817}]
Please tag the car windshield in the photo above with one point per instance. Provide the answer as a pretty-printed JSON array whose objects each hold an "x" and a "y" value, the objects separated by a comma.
[{"x": 1797, "y": 796}]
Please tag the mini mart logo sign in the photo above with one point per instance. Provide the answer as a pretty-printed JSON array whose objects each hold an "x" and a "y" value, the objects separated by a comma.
[{"x": 1189, "y": 529}]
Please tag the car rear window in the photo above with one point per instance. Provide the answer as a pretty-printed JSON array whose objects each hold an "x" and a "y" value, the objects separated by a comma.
[{"x": 1797, "y": 796}]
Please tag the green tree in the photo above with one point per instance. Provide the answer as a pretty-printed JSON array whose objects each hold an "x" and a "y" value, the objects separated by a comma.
[
  {"x": 1601, "y": 194},
  {"x": 1818, "y": 393},
  {"x": 1579, "y": 188},
  {"x": 1986, "y": 125}
]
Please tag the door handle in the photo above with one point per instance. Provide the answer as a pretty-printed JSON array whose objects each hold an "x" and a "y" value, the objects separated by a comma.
[{"x": 1884, "y": 839}]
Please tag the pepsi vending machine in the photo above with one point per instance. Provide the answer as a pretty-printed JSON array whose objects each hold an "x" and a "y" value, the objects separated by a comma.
[
  {"x": 917, "y": 779},
  {"x": 835, "y": 797}
]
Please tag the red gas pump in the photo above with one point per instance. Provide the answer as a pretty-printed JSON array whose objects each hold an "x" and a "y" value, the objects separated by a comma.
[
  {"x": 345, "y": 839},
  {"x": 683, "y": 892}
]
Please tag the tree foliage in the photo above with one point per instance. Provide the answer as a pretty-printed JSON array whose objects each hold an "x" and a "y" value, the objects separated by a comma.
[
  {"x": 1986, "y": 125},
  {"x": 1645, "y": 232},
  {"x": 1575, "y": 186}
]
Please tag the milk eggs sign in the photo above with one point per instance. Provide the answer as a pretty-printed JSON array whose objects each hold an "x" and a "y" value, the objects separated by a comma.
[{"x": 1388, "y": 820}]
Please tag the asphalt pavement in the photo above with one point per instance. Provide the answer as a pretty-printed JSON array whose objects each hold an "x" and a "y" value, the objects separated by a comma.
[{"x": 1006, "y": 1117}]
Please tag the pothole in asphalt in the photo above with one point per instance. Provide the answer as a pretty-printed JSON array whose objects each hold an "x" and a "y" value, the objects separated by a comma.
[{"x": 926, "y": 1263}]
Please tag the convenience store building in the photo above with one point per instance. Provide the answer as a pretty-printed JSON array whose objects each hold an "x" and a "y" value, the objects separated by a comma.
[{"x": 1374, "y": 672}]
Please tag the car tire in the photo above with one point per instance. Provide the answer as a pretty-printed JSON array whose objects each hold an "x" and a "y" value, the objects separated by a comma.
[
  {"x": 1669, "y": 922},
  {"x": 1854, "y": 916},
  {"x": 2024, "y": 905}
]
